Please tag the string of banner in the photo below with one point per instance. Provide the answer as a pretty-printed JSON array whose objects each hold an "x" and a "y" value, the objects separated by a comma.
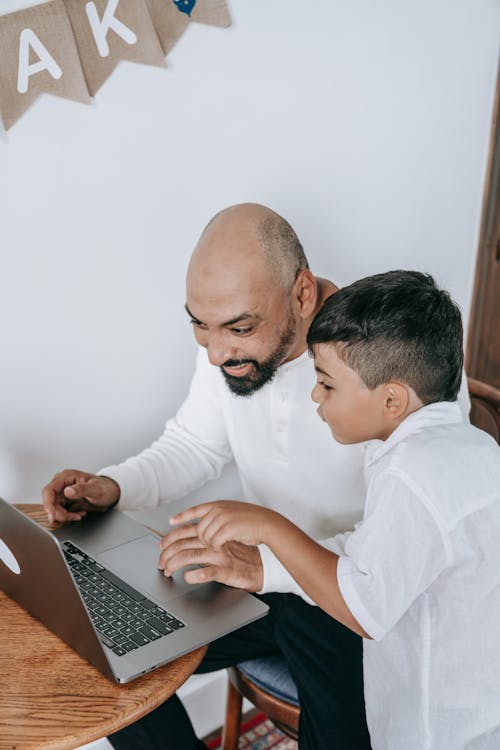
[{"x": 69, "y": 48}]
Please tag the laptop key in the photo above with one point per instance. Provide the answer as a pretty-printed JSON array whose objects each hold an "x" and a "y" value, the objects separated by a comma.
[
  {"x": 176, "y": 624},
  {"x": 128, "y": 590},
  {"x": 153, "y": 635},
  {"x": 139, "y": 638},
  {"x": 129, "y": 646},
  {"x": 159, "y": 625},
  {"x": 111, "y": 632},
  {"x": 148, "y": 604},
  {"x": 107, "y": 641},
  {"x": 166, "y": 617},
  {"x": 120, "y": 639},
  {"x": 135, "y": 623}
]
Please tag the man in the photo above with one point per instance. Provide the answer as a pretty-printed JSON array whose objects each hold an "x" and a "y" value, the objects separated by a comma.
[{"x": 251, "y": 298}]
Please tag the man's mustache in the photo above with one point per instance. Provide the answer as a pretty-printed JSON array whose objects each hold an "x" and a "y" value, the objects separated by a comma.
[{"x": 239, "y": 362}]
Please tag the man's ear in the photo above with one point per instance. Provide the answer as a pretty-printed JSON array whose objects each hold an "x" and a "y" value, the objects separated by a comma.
[
  {"x": 305, "y": 293},
  {"x": 397, "y": 399}
]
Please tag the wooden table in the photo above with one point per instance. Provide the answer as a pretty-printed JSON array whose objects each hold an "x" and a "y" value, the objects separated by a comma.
[{"x": 51, "y": 699}]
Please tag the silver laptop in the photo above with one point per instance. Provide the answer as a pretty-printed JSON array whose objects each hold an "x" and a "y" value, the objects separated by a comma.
[{"x": 96, "y": 585}]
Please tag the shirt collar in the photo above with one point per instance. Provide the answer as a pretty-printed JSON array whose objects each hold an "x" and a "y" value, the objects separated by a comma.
[
  {"x": 296, "y": 362},
  {"x": 441, "y": 413}
]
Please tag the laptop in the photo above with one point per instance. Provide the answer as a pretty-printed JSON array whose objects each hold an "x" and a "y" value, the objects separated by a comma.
[{"x": 96, "y": 585}]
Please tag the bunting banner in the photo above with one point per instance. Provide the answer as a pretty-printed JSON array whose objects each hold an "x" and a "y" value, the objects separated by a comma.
[
  {"x": 69, "y": 48},
  {"x": 37, "y": 55}
]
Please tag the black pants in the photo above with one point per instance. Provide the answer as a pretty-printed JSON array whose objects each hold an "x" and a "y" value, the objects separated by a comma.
[{"x": 324, "y": 659}]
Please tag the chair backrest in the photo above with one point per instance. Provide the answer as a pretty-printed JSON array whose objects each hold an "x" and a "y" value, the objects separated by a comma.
[{"x": 485, "y": 403}]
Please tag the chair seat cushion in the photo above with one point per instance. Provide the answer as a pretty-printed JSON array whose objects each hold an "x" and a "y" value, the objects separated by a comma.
[{"x": 271, "y": 674}]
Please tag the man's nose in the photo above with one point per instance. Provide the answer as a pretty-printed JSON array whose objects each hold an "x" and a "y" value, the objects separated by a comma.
[{"x": 219, "y": 349}]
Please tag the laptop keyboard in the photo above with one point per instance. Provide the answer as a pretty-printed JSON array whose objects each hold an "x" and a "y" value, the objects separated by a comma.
[{"x": 124, "y": 618}]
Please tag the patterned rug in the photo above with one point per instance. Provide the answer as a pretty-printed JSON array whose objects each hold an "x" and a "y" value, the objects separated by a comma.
[{"x": 259, "y": 734}]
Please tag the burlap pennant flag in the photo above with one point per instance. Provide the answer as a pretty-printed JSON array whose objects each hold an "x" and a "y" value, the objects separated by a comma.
[
  {"x": 108, "y": 31},
  {"x": 172, "y": 17},
  {"x": 38, "y": 55}
]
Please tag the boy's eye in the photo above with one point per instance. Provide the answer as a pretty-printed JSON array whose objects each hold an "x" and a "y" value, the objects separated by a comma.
[{"x": 325, "y": 386}]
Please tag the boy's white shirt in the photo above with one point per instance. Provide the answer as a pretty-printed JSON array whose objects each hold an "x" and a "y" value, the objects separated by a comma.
[{"x": 421, "y": 574}]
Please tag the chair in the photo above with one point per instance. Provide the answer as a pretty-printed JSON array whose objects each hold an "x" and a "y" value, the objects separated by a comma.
[
  {"x": 485, "y": 403},
  {"x": 266, "y": 682}
]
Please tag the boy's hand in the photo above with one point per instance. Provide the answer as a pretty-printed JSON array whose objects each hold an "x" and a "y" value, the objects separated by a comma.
[
  {"x": 235, "y": 565},
  {"x": 225, "y": 521}
]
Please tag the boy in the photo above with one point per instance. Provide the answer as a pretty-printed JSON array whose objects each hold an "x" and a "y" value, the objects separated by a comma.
[{"x": 419, "y": 577}]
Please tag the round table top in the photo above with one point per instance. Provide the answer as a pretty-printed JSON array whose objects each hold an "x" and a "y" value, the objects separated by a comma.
[{"x": 51, "y": 699}]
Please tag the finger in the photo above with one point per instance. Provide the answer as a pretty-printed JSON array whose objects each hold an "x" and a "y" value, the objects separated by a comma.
[
  {"x": 203, "y": 575},
  {"x": 87, "y": 489},
  {"x": 202, "y": 556},
  {"x": 182, "y": 532},
  {"x": 53, "y": 497},
  {"x": 49, "y": 501},
  {"x": 211, "y": 530},
  {"x": 181, "y": 546},
  {"x": 63, "y": 515},
  {"x": 55, "y": 508},
  {"x": 197, "y": 511}
]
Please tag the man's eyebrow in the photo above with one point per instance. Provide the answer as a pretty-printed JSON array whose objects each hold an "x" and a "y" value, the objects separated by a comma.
[
  {"x": 186, "y": 308},
  {"x": 238, "y": 319}
]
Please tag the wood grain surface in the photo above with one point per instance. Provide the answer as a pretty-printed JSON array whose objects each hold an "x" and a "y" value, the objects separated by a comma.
[{"x": 51, "y": 699}]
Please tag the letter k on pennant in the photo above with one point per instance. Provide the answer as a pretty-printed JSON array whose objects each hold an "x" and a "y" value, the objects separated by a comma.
[{"x": 108, "y": 31}]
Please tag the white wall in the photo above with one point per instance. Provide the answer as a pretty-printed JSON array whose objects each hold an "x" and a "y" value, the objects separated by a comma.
[{"x": 365, "y": 123}]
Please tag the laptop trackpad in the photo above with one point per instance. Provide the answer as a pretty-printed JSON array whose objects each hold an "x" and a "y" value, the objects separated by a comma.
[{"x": 137, "y": 563}]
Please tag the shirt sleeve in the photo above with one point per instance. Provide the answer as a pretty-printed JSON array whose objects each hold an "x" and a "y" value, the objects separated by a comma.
[
  {"x": 393, "y": 555},
  {"x": 192, "y": 450},
  {"x": 277, "y": 579}
]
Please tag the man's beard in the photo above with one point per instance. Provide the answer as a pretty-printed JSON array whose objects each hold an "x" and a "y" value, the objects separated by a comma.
[{"x": 263, "y": 372}]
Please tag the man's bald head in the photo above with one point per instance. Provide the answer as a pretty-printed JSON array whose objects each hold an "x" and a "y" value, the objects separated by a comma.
[
  {"x": 249, "y": 233},
  {"x": 250, "y": 295}
]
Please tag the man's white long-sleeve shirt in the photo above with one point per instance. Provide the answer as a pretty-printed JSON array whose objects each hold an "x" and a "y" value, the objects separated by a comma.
[{"x": 285, "y": 455}]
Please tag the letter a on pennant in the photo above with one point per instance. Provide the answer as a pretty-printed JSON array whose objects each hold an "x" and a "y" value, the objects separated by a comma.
[
  {"x": 29, "y": 40},
  {"x": 39, "y": 56},
  {"x": 108, "y": 31}
]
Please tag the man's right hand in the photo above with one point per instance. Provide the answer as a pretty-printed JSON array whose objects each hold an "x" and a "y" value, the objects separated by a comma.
[{"x": 71, "y": 493}]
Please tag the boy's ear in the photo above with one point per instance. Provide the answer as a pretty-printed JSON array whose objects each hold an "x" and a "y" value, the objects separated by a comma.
[{"x": 396, "y": 400}]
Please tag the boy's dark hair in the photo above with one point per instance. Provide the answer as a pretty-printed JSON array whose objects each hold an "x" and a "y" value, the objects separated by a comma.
[{"x": 396, "y": 326}]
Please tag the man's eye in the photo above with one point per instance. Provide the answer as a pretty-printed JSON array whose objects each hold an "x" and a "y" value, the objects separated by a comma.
[
  {"x": 241, "y": 331},
  {"x": 197, "y": 324}
]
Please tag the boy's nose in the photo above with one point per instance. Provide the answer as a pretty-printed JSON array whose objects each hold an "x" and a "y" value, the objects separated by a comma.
[{"x": 315, "y": 394}]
